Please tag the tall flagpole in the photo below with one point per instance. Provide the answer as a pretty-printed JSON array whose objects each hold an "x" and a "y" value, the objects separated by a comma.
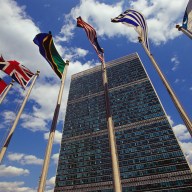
[
  {"x": 186, "y": 32},
  {"x": 6, "y": 91},
  {"x": 179, "y": 107},
  {"x": 43, "y": 177},
  {"x": 111, "y": 131},
  {"x": 7, "y": 141}
]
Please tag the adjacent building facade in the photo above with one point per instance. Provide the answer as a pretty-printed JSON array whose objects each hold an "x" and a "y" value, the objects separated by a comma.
[{"x": 150, "y": 157}]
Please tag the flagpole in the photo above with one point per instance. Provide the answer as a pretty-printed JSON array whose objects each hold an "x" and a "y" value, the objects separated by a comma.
[
  {"x": 186, "y": 32},
  {"x": 179, "y": 107},
  {"x": 6, "y": 91},
  {"x": 43, "y": 176},
  {"x": 111, "y": 132},
  {"x": 7, "y": 141}
]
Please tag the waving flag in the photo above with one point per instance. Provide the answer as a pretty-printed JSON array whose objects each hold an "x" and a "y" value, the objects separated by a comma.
[
  {"x": 134, "y": 19},
  {"x": 92, "y": 36},
  {"x": 187, "y": 19},
  {"x": 3, "y": 86},
  {"x": 1, "y": 58},
  {"x": 49, "y": 52},
  {"x": 18, "y": 72}
]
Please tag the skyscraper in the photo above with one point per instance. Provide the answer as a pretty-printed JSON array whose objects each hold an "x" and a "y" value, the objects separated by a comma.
[{"x": 150, "y": 157}]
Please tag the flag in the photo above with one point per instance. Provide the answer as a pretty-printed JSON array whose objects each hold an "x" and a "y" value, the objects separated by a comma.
[
  {"x": 187, "y": 19},
  {"x": 48, "y": 51},
  {"x": 1, "y": 58},
  {"x": 92, "y": 36},
  {"x": 3, "y": 85},
  {"x": 18, "y": 72},
  {"x": 134, "y": 19}
]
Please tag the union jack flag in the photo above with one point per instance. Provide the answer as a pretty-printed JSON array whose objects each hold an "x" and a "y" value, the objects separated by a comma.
[
  {"x": 3, "y": 85},
  {"x": 92, "y": 36},
  {"x": 18, "y": 72}
]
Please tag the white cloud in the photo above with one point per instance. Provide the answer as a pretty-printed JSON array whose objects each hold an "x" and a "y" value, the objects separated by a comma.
[
  {"x": 15, "y": 156},
  {"x": 176, "y": 80},
  {"x": 190, "y": 88},
  {"x": 55, "y": 158},
  {"x": 50, "y": 184},
  {"x": 51, "y": 181},
  {"x": 94, "y": 15},
  {"x": 161, "y": 19},
  {"x": 8, "y": 118},
  {"x": 11, "y": 171},
  {"x": 57, "y": 138},
  {"x": 81, "y": 52},
  {"x": 176, "y": 62},
  {"x": 170, "y": 120},
  {"x": 187, "y": 149},
  {"x": 33, "y": 122},
  {"x": 25, "y": 159},
  {"x": 73, "y": 53},
  {"x": 185, "y": 141},
  {"x": 181, "y": 132},
  {"x": 44, "y": 94},
  {"x": 66, "y": 29},
  {"x": 18, "y": 31},
  {"x": 179, "y": 80},
  {"x": 15, "y": 187}
]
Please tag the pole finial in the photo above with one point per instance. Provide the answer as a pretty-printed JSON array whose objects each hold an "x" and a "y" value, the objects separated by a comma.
[
  {"x": 67, "y": 62},
  {"x": 140, "y": 40},
  {"x": 178, "y": 27},
  {"x": 38, "y": 72}
]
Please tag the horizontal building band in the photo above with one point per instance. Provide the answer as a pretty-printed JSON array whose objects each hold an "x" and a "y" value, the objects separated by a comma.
[
  {"x": 110, "y": 90},
  {"x": 108, "y": 65},
  {"x": 124, "y": 127},
  {"x": 130, "y": 182}
]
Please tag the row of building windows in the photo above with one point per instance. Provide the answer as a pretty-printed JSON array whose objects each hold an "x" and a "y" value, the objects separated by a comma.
[
  {"x": 184, "y": 184},
  {"x": 87, "y": 177},
  {"x": 145, "y": 162},
  {"x": 121, "y": 134},
  {"x": 101, "y": 148},
  {"x": 124, "y": 154},
  {"x": 89, "y": 84},
  {"x": 124, "y": 168},
  {"x": 94, "y": 119}
]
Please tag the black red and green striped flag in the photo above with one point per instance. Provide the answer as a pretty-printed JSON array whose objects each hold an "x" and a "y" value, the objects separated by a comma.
[{"x": 47, "y": 49}]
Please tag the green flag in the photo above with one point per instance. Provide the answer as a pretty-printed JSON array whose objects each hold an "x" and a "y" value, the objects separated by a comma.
[{"x": 49, "y": 52}]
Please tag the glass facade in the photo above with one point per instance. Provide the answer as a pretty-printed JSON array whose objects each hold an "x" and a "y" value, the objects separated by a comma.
[{"x": 150, "y": 157}]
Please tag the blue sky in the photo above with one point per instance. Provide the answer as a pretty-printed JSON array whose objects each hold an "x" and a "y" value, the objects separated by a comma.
[{"x": 21, "y": 20}]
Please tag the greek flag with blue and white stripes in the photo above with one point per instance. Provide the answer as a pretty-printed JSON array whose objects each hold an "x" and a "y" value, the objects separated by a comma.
[
  {"x": 134, "y": 19},
  {"x": 187, "y": 19}
]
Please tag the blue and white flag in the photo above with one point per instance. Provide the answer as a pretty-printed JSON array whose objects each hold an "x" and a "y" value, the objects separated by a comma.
[
  {"x": 187, "y": 19},
  {"x": 134, "y": 19}
]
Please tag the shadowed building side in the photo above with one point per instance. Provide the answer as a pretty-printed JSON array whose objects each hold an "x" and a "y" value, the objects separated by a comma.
[{"x": 150, "y": 157}]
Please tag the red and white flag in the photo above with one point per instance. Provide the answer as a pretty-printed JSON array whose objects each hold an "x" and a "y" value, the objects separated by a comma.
[
  {"x": 3, "y": 85},
  {"x": 18, "y": 72},
  {"x": 92, "y": 36}
]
